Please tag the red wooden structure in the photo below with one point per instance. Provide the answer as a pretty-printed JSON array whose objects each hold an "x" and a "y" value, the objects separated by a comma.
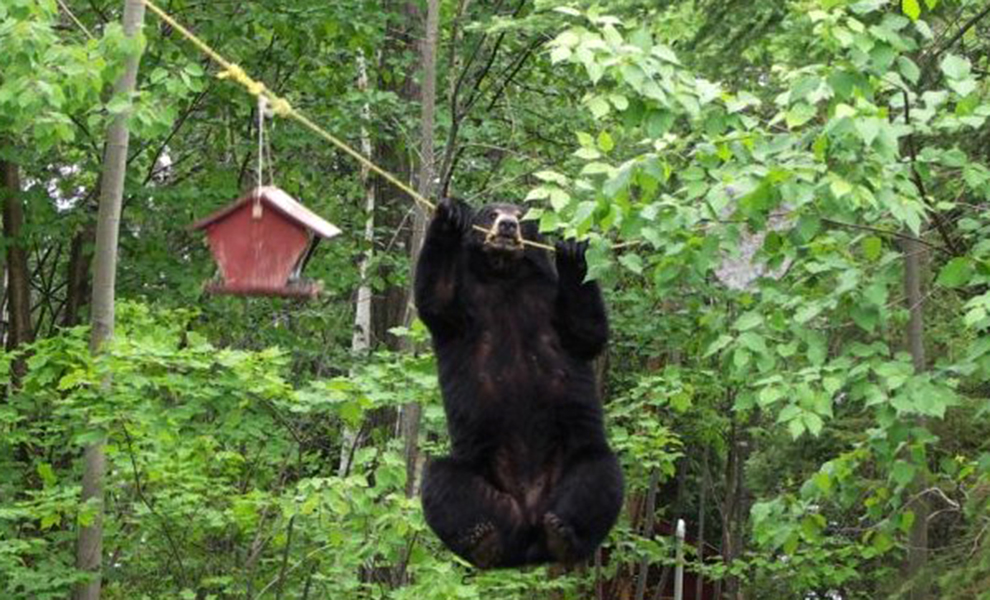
[{"x": 261, "y": 244}]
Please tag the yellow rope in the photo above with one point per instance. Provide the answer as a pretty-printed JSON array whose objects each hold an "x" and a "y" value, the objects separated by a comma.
[{"x": 283, "y": 108}]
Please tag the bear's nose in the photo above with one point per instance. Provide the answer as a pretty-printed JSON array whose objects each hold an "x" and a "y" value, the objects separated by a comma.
[{"x": 508, "y": 226}]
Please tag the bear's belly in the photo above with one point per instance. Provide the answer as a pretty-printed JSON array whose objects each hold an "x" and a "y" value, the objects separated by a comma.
[{"x": 527, "y": 370}]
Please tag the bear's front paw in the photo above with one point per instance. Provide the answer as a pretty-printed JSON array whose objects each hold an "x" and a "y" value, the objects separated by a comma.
[
  {"x": 453, "y": 216},
  {"x": 483, "y": 545},
  {"x": 571, "y": 262}
]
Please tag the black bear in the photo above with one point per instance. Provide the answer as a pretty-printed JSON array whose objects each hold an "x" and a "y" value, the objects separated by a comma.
[{"x": 530, "y": 478}]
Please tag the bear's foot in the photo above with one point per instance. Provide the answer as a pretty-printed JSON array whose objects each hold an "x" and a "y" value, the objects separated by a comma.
[
  {"x": 483, "y": 546},
  {"x": 561, "y": 540}
]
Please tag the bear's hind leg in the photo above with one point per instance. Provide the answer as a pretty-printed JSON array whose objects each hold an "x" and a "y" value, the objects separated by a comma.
[
  {"x": 474, "y": 519},
  {"x": 584, "y": 506}
]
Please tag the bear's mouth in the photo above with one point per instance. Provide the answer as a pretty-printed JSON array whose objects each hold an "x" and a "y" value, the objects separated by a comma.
[{"x": 502, "y": 241}]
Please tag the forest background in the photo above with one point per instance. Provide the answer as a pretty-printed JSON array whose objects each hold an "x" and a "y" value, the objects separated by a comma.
[{"x": 787, "y": 202}]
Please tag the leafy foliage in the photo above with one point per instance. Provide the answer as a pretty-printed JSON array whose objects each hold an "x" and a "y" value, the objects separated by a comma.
[{"x": 750, "y": 176}]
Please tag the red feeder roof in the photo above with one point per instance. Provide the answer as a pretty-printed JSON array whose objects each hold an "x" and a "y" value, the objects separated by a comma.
[{"x": 280, "y": 201}]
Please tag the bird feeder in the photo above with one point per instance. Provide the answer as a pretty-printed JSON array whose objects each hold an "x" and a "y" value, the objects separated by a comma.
[{"x": 261, "y": 244}]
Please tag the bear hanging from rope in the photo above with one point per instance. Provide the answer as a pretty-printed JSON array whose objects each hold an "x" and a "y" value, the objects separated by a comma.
[{"x": 530, "y": 478}]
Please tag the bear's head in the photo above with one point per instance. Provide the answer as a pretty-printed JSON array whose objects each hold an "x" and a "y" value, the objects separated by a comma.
[{"x": 500, "y": 245}]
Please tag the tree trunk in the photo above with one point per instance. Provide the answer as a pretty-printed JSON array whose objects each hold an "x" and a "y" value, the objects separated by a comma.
[
  {"x": 648, "y": 526},
  {"x": 18, "y": 276},
  {"x": 412, "y": 411},
  {"x": 702, "y": 509},
  {"x": 89, "y": 549},
  {"x": 3, "y": 298},
  {"x": 361, "y": 339},
  {"x": 917, "y": 552},
  {"x": 735, "y": 508},
  {"x": 77, "y": 275}
]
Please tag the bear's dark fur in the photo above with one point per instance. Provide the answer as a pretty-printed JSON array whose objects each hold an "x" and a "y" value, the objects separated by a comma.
[{"x": 531, "y": 478}]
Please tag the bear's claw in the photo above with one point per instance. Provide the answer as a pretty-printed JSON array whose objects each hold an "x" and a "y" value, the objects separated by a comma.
[
  {"x": 561, "y": 539},
  {"x": 484, "y": 548}
]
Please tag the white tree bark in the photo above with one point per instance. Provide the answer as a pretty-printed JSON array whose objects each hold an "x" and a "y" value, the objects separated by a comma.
[
  {"x": 89, "y": 548},
  {"x": 361, "y": 340}
]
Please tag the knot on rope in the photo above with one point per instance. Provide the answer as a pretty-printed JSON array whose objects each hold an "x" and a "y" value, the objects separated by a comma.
[
  {"x": 280, "y": 106},
  {"x": 236, "y": 73}
]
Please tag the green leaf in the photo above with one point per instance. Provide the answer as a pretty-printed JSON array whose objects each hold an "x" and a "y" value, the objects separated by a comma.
[
  {"x": 559, "y": 54},
  {"x": 813, "y": 423},
  {"x": 769, "y": 395},
  {"x": 538, "y": 193},
  {"x": 50, "y": 520},
  {"x": 598, "y": 106},
  {"x": 553, "y": 176},
  {"x": 872, "y": 247},
  {"x": 956, "y": 273},
  {"x": 47, "y": 474},
  {"x": 754, "y": 342},
  {"x": 911, "y": 8},
  {"x": 955, "y": 67},
  {"x": 567, "y": 39},
  {"x": 633, "y": 262},
  {"x": 747, "y": 321},
  {"x": 799, "y": 114},
  {"x": 840, "y": 187},
  {"x": 868, "y": 128},
  {"x": 795, "y": 427},
  {"x": 588, "y": 154},
  {"x": 716, "y": 346},
  {"x": 559, "y": 199},
  {"x": 906, "y": 521},
  {"x": 619, "y": 101},
  {"x": 605, "y": 142},
  {"x": 975, "y": 316},
  {"x": 909, "y": 69},
  {"x": 963, "y": 87},
  {"x": 665, "y": 53},
  {"x": 882, "y": 542},
  {"x": 807, "y": 313},
  {"x": 903, "y": 473}
]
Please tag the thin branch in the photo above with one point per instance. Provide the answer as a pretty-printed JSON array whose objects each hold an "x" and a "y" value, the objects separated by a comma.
[
  {"x": 886, "y": 232},
  {"x": 920, "y": 184},
  {"x": 965, "y": 28},
  {"x": 175, "y": 130},
  {"x": 285, "y": 558},
  {"x": 139, "y": 489}
]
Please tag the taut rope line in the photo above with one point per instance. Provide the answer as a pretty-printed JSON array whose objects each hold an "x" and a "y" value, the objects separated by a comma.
[{"x": 283, "y": 108}]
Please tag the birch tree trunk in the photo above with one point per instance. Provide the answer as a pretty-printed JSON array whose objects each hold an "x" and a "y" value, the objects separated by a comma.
[
  {"x": 412, "y": 411},
  {"x": 361, "y": 339},
  {"x": 89, "y": 548}
]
